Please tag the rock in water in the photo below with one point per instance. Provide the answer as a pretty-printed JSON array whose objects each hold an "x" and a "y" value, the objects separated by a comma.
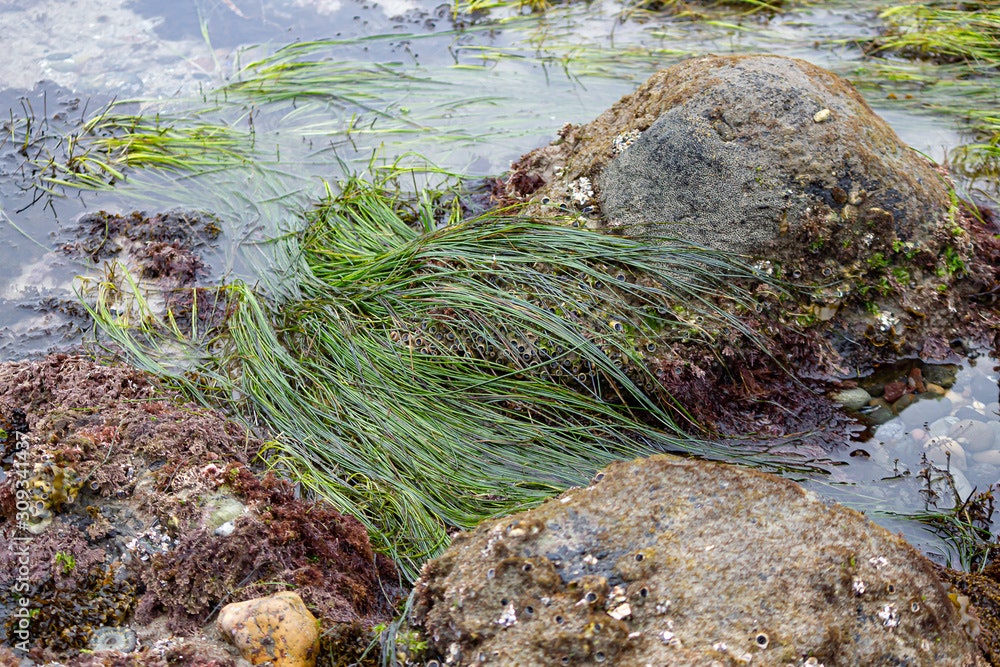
[
  {"x": 679, "y": 562},
  {"x": 744, "y": 149},
  {"x": 277, "y": 630},
  {"x": 781, "y": 160}
]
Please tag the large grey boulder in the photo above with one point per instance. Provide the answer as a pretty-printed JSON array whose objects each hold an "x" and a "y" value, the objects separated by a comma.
[
  {"x": 679, "y": 562},
  {"x": 738, "y": 151},
  {"x": 747, "y": 149},
  {"x": 782, "y": 161}
]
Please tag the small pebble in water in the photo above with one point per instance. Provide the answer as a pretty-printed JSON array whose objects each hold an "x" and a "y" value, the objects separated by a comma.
[{"x": 989, "y": 457}]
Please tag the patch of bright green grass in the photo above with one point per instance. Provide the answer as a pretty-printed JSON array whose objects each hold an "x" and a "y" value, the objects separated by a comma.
[
  {"x": 937, "y": 30},
  {"x": 692, "y": 9}
]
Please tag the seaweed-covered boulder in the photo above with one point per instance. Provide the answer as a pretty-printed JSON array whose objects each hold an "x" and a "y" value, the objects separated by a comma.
[
  {"x": 133, "y": 516},
  {"x": 678, "y": 562}
]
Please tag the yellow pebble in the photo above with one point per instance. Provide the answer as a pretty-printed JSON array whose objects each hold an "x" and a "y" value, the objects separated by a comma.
[{"x": 277, "y": 629}]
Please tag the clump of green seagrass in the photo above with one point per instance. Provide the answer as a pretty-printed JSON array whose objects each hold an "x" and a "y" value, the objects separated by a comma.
[
  {"x": 424, "y": 376},
  {"x": 945, "y": 31},
  {"x": 960, "y": 45}
]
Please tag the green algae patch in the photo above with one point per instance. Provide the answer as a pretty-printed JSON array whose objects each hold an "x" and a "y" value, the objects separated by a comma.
[{"x": 426, "y": 370}]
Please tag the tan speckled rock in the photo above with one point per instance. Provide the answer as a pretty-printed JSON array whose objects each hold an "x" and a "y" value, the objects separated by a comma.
[
  {"x": 277, "y": 629},
  {"x": 674, "y": 562}
]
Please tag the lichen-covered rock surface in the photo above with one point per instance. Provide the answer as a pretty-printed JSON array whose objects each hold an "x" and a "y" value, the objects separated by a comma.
[
  {"x": 140, "y": 517},
  {"x": 677, "y": 562},
  {"x": 784, "y": 162}
]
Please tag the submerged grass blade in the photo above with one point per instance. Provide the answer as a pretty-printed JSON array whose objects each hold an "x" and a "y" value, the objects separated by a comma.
[{"x": 936, "y": 30}]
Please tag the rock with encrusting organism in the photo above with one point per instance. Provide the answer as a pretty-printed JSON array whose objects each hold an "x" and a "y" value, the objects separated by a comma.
[
  {"x": 277, "y": 630},
  {"x": 678, "y": 562},
  {"x": 742, "y": 150},
  {"x": 148, "y": 518},
  {"x": 782, "y": 161}
]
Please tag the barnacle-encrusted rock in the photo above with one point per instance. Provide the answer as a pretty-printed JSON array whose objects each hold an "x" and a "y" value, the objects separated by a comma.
[
  {"x": 277, "y": 630},
  {"x": 744, "y": 149},
  {"x": 781, "y": 160},
  {"x": 678, "y": 562}
]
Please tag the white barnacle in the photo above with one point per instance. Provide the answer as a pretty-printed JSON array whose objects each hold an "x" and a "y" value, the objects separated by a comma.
[
  {"x": 494, "y": 538},
  {"x": 878, "y": 562},
  {"x": 670, "y": 639},
  {"x": 589, "y": 559},
  {"x": 509, "y": 616},
  {"x": 581, "y": 191},
  {"x": 821, "y": 116},
  {"x": 623, "y": 141},
  {"x": 623, "y": 610},
  {"x": 889, "y": 616},
  {"x": 858, "y": 586},
  {"x": 886, "y": 321}
]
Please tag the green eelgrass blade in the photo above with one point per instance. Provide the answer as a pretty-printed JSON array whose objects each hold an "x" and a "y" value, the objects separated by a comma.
[{"x": 426, "y": 377}]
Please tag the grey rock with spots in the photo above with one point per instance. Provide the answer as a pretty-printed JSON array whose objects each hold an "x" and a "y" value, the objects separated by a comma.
[
  {"x": 746, "y": 149},
  {"x": 677, "y": 562},
  {"x": 682, "y": 173}
]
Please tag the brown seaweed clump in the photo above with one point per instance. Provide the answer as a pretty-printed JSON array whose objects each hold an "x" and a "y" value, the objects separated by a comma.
[{"x": 135, "y": 517}]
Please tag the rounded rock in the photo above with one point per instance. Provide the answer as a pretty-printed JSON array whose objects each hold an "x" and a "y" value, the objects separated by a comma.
[
  {"x": 725, "y": 138},
  {"x": 944, "y": 451},
  {"x": 802, "y": 562},
  {"x": 852, "y": 399},
  {"x": 276, "y": 630},
  {"x": 975, "y": 436},
  {"x": 990, "y": 457},
  {"x": 941, "y": 426}
]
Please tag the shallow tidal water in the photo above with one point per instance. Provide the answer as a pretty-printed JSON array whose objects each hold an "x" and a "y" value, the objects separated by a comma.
[{"x": 469, "y": 93}]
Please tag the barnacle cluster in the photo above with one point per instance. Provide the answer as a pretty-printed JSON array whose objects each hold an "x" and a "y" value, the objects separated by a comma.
[
  {"x": 70, "y": 610},
  {"x": 640, "y": 584},
  {"x": 581, "y": 191},
  {"x": 51, "y": 487},
  {"x": 623, "y": 140}
]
